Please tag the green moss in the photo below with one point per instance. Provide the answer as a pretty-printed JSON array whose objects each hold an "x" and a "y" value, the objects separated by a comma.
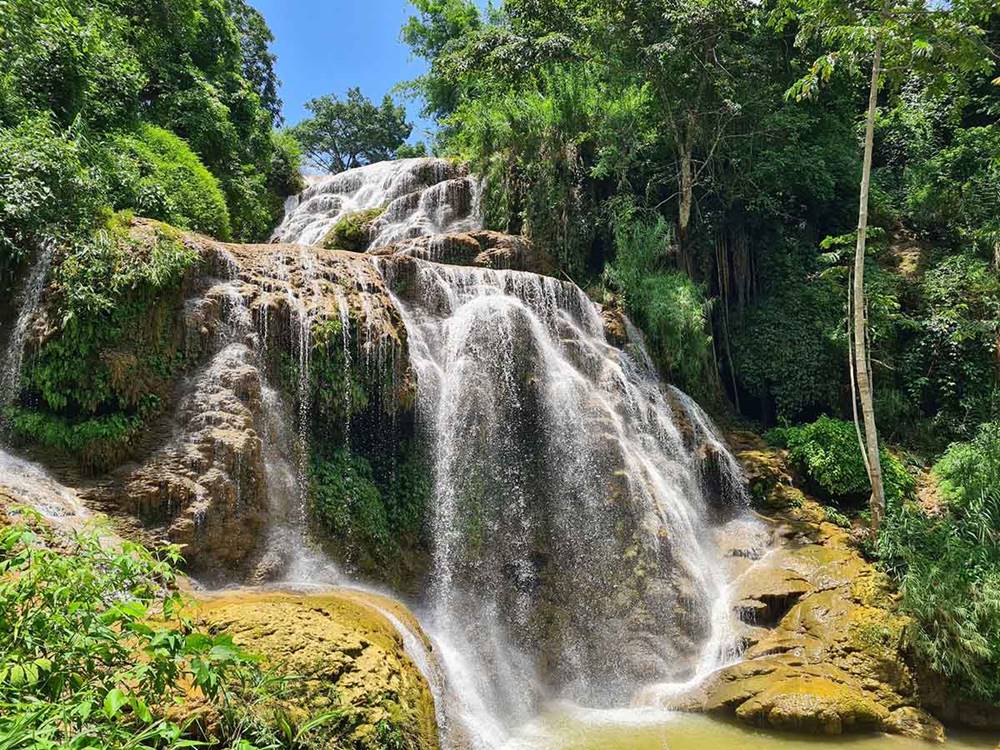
[
  {"x": 370, "y": 509},
  {"x": 351, "y": 231},
  {"x": 117, "y": 348}
]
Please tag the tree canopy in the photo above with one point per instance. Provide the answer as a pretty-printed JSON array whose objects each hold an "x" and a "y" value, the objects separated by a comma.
[{"x": 351, "y": 132}]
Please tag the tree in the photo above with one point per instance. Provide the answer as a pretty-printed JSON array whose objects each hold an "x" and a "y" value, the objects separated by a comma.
[
  {"x": 347, "y": 133},
  {"x": 902, "y": 39}
]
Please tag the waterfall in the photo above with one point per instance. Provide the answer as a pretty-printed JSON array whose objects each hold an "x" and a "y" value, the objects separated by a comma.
[
  {"x": 27, "y": 306},
  {"x": 573, "y": 553},
  {"x": 289, "y": 554},
  {"x": 419, "y": 197}
]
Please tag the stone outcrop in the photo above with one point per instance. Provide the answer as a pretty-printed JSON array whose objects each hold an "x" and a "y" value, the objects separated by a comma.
[
  {"x": 344, "y": 654},
  {"x": 261, "y": 313},
  {"x": 825, "y": 640},
  {"x": 480, "y": 248}
]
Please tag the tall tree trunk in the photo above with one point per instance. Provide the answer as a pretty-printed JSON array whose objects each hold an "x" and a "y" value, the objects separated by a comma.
[
  {"x": 861, "y": 361},
  {"x": 685, "y": 192}
]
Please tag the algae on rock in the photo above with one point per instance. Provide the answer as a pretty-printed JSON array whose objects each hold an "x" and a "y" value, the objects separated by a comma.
[{"x": 341, "y": 654}]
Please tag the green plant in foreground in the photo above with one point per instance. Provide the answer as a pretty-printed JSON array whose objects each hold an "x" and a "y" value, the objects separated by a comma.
[{"x": 97, "y": 651}]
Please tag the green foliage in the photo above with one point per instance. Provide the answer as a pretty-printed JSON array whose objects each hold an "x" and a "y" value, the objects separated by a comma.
[
  {"x": 667, "y": 304},
  {"x": 412, "y": 150},
  {"x": 157, "y": 175},
  {"x": 970, "y": 472},
  {"x": 78, "y": 79},
  {"x": 97, "y": 651},
  {"x": 948, "y": 567},
  {"x": 346, "y": 133},
  {"x": 351, "y": 231},
  {"x": 347, "y": 502},
  {"x": 117, "y": 346},
  {"x": 950, "y": 364},
  {"x": 531, "y": 144},
  {"x": 789, "y": 347},
  {"x": 45, "y": 192},
  {"x": 827, "y": 452},
  {"x": 370, "y": 510}
]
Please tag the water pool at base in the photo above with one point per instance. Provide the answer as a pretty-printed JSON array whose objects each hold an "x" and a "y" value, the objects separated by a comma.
[{"x": 573, "y": 728}]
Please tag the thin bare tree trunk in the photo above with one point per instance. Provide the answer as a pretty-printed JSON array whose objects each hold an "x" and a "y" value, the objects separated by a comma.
[
  {"x": 685, "y": 186},
  {"x": 854, "y": 385},
  {"x": 877, "y": 502}
]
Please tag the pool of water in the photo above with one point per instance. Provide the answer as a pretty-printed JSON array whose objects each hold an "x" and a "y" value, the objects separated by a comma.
[{"x": 571, "y": 728}]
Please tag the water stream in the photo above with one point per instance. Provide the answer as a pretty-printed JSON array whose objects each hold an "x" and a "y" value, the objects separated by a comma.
[{"x": 569, "y": 519}]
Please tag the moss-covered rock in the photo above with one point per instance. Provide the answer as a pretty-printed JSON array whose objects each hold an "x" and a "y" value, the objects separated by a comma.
[
  {"x": 828, "y": 653},
  {"x": 343, "y": 653},
  {"x": 352, "y": 231}
]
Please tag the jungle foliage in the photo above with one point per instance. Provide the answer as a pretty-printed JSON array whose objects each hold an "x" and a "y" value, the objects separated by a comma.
[
  {"x": 100, "y": 652},
  {"x": 165, "y": 108},
  {"x": 680, "y": 111}
]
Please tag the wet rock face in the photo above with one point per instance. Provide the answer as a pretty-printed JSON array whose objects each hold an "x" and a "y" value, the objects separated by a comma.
[
  {"x": 480, "y": 248},
  {"x": 825, "y": 641},
  {"x": 205, "y": 487},
  {"x": 344, "y": 654},
  {"x": 260, "y": 317}
]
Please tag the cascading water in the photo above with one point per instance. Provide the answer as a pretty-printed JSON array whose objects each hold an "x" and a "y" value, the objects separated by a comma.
[
  {"x": 420, "y": 197},
  {"x": 289, "y": 553},
  {"x": 573, "y": 555},
  {"x": 572, "y": 528},
  {"x": 28, "y": 303}
]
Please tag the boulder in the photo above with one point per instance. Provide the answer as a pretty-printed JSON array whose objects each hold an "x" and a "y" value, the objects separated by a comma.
[
  {"x": 344, "y": 652},
  {"x": 826, "y": 653}
]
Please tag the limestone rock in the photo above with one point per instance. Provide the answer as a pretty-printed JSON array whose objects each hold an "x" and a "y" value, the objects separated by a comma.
[
  {"x": 480, "y": 248},
  {"x": 915, "y": 722},
  {"x": 826, "y": 654},
  {"x": 345, "y": 653},
  {"x": 204, "y": 488}
]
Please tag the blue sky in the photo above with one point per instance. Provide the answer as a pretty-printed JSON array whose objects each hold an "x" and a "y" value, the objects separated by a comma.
[{"x": 326, "y": 46}]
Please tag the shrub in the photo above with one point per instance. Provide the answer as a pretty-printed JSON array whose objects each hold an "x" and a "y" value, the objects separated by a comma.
[
  {"x": 670, "y": 308},
  {"x": 950, "y": 366},
  {"x": 971, "y": 471},
  {"x": 828, "y": 454},
  {"x": 97, "y": 651},
  {"x": 948, "y": 567},
  {"x": 351, "y": 231},
  {"x": 157, "y": 174},
  {"x": 45, "y": 192}
]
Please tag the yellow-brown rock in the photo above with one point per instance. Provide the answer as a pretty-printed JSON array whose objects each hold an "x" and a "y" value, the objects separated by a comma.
[
  {"x": 343, "y": 652},
  {"x": 827, "y": 654}
]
